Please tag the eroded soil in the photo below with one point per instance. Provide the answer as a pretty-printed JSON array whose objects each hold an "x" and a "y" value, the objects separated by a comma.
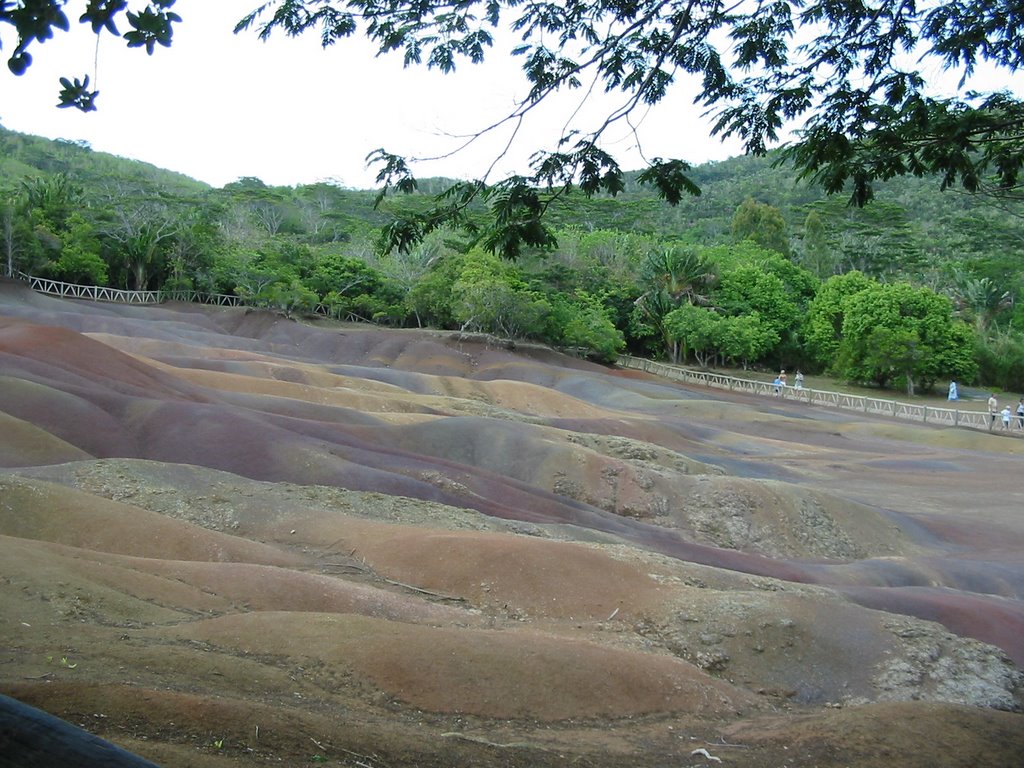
[{"x": 232, "y": 539}]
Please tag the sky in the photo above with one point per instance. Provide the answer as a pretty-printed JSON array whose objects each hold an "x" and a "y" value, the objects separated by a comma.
[{"x": 218, "y": 106}]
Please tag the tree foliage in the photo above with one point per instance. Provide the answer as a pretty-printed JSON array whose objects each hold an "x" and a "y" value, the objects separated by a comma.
[
  {"x": 670, "y": 278},
  {"x": 760, "y": 223},
  {"x": 70, "y": 213},
  {"x": 850, "y": 73},
  {"x": 896, "y": 333}
]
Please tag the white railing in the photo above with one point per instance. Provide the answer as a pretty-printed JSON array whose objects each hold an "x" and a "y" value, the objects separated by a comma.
[
  {"x": 198, "y": 297},
  {"x": 89, "y": 292},
  {"x": 951, "y": 417},
  {"x": 117, "y": 295}
]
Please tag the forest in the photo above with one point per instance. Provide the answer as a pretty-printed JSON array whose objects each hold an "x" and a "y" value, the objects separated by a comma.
[{"x": 758, "y": 271}]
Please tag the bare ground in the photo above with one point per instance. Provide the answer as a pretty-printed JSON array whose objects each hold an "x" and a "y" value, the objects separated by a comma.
[{"x": 232, "y": 539}]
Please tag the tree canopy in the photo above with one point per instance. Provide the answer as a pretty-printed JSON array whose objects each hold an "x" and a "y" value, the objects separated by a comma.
[{"x": 848, "y": 75}]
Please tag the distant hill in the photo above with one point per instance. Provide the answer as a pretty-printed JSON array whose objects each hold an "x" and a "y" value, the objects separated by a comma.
[
  {"x": 24, "y": 155},
  {"x": 911, "y": 229}
]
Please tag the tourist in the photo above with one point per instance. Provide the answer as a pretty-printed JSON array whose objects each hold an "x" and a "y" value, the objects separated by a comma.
[
  {"x": 953, "y": 393},
  {"x": 1020, "y": 414},
  {"x": 799, "y": 381},
  {"x": 1006, "y": 417},
  {"x": 993, "y": 410}
]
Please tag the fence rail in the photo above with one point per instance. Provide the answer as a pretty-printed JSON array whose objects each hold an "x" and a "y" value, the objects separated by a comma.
[
  {"x": 951, "y": 417},
  {"x": 120, "y": 296}
]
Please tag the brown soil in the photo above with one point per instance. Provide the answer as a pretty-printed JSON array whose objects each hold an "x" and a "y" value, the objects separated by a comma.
[{"x": 231, "y": 539}]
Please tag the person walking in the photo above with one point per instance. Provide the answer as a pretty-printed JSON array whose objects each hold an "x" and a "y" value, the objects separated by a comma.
[
  {"x": 953, "y": 393},
  {"x": 1006, "y": 418},
  {"x": 799, "y": 381},
  {"x": 1020, "y": 414},
  {"x": 993, "y": 411}
]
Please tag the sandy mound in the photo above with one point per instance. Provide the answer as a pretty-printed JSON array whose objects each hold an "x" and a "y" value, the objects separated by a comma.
[{"x": 487, "y": 673}]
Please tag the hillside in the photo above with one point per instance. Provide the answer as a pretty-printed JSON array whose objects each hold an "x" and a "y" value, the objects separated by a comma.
[
  {"x": 911, "y": 229},
  {"x": 234, "y": 539}
]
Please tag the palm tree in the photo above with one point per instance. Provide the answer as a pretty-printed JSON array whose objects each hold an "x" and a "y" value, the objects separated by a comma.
[
  {"x": 980, "y": 298},
  {"x": 672, "y": 277}
]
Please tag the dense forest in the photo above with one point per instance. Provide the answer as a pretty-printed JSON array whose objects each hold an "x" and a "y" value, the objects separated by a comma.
[{"x": 915, "y": 288}]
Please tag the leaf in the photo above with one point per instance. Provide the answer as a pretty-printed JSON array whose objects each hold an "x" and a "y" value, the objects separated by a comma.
[{"x": 669, "y": 178}]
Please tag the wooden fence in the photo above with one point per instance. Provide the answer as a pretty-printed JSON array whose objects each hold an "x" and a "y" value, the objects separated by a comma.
[
  {"x": 117, "y": 295},
  {"x": 927, "y": 414},
  {"x": 100, "y": 293}
]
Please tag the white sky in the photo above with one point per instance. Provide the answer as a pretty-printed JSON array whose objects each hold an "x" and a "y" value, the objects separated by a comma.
[{"x": 217, "y": 106}]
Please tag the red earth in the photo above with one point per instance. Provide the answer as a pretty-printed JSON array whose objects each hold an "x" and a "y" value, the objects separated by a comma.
[{"x": 229, "y": 539}]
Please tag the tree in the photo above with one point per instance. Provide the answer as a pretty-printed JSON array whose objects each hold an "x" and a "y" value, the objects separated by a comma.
[
  {"x": 7, "y": 222},
  {"x": 80, "y": 260},
  {"x": 490, "y": 296},
  {"x": 748, "y": 289},
  {"x": 746, "y": 338},
  {"x": 431, "y": 298},
  {"x": 140, "y": 236},
  {"x": 671, "y": 277},
  {"x": 696, "y": 329},
  {"x": 838, "y": 69},
  {"x": 823, "y": 323},
  {"x": 816, "y": 255},
  {"x": 898, "y": 333},
  {"x": 580, "y": 322},
  {"x": 980, "y": 299},
  {"x": 762, "y": 224}
]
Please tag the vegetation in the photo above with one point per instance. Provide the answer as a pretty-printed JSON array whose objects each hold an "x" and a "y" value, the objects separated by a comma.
[
  {"x": 838, "y": 70},
  {"x": 759, "y": 271}
]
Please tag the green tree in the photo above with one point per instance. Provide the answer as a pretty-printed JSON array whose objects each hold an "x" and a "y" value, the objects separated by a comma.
[
  {"x": 800, "y": 285},
  {"x": 816, "y": 255},
  {"x": 898, "y": 333},
  {"x": 1000, "y": 356},
  {"x": 823, "y": 322},
  {"x": 491, "y": 296},
  {"x": 836, "y": 69},
  {"x": 581, "y": 322},
  {"x": 745, "y": 339},
  {"x": 288, "y": 298},
  {"x": 695, "y": 329},
  {"x": 139, "y": 237},
  {"x": 431, "y": 298},
  {"x": 762, "y": 224},
  {"x": 670, "y": 278},
  {"x": 980, "y": 299},
  {"x": 80, "y": 260},
  {"x": 747, "y": 290}
]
